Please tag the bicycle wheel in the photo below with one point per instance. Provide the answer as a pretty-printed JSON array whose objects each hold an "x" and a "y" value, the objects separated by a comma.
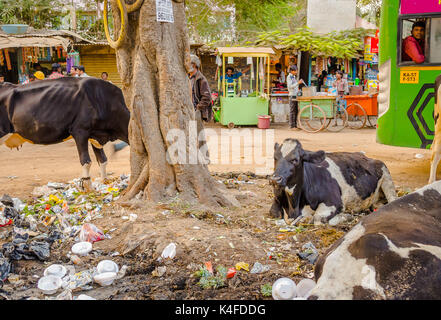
[
  {"x": 356, "y": 116},
  {"x": 339, "y": 122},
  {"x": 311, "y": 118}
]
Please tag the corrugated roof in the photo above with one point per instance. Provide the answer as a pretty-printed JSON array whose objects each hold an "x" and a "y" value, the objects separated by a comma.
[
  {"x": 245, "y": 50},
  {"x": 40, "y": 38}
]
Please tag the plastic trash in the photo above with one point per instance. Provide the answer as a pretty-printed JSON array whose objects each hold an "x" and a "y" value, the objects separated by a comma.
[
  {"x": 105, "y": 279},
  {"x": 133, "y": 217},
  {"x": 82, "y": 248},
  {"x": 284, "y": 289},
  {"x": 209, "y": 266},
  {"x": 56, "y": 270},
  {"x": 242, "y": 265},
  {"x": 159, "y": 271},
  {"x": 231, "y": 273},
  {"x": 419, "y": 156},
  {"x": 260, "y": 268},
  {"x": 169, "y": 251},
  {"x": 65, "y": 295},
  {"x": 75, "y": 259},
  {"x": 5, "y": 267},
  {"x": 40, "y": 249},
  {"x": 84, "y": 297},
  {"x": 122, "y": 272},
  {"x": 310, "y": 253},
  {"x": 304, "y": 288},
  {"x": 89, "y": 232},
  {"x": 49, "y": 284},
  {"x": 107, "y": 266}
]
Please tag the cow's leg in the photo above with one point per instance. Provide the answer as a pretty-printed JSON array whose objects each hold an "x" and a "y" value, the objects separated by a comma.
[
  {"x": 325, "y": 213},
  {"x": 280, "y": 201},
  {"x": 388, "y": 186},
  {"x": 102, "y": 161},
  {"x": 436, "y": 157},
  {"x": 82, "y": 142}
]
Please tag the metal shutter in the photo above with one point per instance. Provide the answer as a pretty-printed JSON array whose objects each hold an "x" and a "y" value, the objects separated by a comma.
[{"x": 95, "y": 64}]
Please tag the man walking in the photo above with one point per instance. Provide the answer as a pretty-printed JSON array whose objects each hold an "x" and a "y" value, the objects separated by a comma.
[
  {"x": 201, "y": 94},
  {"x": 293, "y": 89}
]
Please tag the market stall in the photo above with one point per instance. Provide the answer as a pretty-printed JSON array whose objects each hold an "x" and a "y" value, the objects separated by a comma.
[
  {"x": 21, "y": 52},
  {"x": 242, "y": 102}
]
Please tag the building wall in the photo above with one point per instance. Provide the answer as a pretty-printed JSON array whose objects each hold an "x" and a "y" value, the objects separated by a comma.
[
  {"x": 99, "y": 58},
  {"x": 324, "y": 16}
]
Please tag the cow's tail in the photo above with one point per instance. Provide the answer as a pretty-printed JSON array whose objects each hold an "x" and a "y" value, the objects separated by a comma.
[{"x": 388, "y": 186}]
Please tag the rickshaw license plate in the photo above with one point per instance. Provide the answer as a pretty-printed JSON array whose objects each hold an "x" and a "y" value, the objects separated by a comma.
[{"x": 409, "y": 76}]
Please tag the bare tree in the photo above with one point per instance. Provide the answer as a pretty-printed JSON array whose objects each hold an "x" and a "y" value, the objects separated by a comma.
[{"x": 153, "y": 59}]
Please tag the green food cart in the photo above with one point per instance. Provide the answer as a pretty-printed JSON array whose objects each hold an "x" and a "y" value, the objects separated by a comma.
[{"x": 243, "y": 107}]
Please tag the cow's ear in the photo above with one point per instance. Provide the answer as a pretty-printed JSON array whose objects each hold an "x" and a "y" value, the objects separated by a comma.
[
  {"x": 314, "y": 157},
  {"x": 277, "y": 152}
]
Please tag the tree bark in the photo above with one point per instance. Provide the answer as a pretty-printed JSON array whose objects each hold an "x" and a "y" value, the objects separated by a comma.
[{"x": 153, "y": 62}]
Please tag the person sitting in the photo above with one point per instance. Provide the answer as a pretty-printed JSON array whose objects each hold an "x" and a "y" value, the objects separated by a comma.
[
  {"x": 281, "y": 78},
  {"x": 413, "y": 45},
  {"x": 231, "y": 75},
  {"x": 56, "y": 71},
  {"x": 82, "y": 72},
  {"x": 105, "y": 76}
]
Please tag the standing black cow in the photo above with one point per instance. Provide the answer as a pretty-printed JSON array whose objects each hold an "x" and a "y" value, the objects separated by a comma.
[
  {"x": 329, "y": 183},
  {"x": 53, "y": 111},
  {"x": 394, "y": 253}
]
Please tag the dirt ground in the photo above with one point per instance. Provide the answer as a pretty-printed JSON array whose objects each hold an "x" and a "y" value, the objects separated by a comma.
[
  {"x": 224, "y": 236},
  {"x": 35, "y": 165}
]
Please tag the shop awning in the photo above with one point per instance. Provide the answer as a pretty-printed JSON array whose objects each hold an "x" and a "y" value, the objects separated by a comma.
[
  {"x": 17, "y": 42},
  {"x": 245, "y": 51}
]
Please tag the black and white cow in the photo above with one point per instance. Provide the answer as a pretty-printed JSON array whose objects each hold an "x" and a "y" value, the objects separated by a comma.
[
  {"x": 326, "y": 184},
  {"x": 394, "y": 253},
  {"x": 52, "y": 111}
]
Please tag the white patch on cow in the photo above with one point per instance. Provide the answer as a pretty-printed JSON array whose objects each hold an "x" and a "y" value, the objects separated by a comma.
[
  {"x": 349, "y": 197},
  {"x": 103, "y": 170},
  {"x": 434, "y": 186},
  {"x": 86, "y": 170},
  {"x": 307, "y": 211},
  {"x": 342, "y": 272},
  {"x": 290, "y": 191},
  {"x": 287, "y": 147},
  {"x": 404, "y": 252},
  {"x": 323, "y": 212},
  {"x": 4, "y": 138}
]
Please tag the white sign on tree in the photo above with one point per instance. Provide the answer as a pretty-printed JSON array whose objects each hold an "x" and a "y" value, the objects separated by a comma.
[{"x": 164, "y": 11}]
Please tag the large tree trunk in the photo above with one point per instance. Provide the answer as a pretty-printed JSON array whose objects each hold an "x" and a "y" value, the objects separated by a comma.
[{"x": 153, "y": 62}]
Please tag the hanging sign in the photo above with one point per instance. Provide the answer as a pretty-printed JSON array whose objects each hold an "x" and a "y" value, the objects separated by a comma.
[
  {"x": 420, "y": 6},
  {"x": 230, "y": 60},
  {"x": 164, "y": 11}
]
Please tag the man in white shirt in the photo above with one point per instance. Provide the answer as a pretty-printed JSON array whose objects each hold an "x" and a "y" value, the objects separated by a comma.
[
  {"x": 293, "y": 89},
  {"x": 82, "y": 72}
]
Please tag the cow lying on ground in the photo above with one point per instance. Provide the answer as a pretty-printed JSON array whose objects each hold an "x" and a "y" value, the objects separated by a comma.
[
  {"x": 53, "y": 111},
  {"x": 328, "y": 184},
  {"x": 436, "y": 144},
  {"x": 394, "y": 253}
]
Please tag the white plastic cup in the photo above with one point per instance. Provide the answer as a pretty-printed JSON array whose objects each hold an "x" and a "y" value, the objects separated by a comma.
[
  {"x": 304, "y": 287},
  {"x": 284, "y": 289},
  {"x": 169, "y": 251}
]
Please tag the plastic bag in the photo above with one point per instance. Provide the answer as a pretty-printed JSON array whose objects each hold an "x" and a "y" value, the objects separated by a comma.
[{"x": 89, "y": 232}]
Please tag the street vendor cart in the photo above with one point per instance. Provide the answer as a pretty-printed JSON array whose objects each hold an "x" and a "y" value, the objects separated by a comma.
[{"x": 242, "y": 102}]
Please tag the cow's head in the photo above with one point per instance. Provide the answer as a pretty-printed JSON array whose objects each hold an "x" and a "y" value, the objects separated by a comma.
[{"x": 289, "y": 159}]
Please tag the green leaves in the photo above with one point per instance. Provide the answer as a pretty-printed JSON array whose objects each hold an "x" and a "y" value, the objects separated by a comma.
[{"x": 341, "y": 44}]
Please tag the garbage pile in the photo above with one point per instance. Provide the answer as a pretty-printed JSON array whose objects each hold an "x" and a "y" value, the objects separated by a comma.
[{"x": 56, "y": 212}]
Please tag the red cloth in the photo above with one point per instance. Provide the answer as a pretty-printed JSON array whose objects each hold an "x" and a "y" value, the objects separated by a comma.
[{"x": 413, "y": 50}]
